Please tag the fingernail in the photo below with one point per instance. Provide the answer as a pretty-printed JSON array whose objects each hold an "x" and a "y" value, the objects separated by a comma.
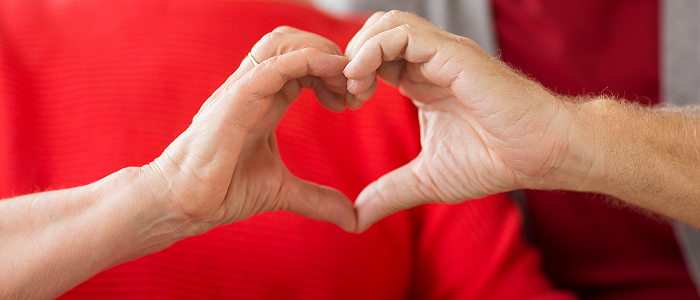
[
  {"x": 340, "y": 56},
  {"x": 348, "y": 67},
  {"x": 351, "y": 82}
]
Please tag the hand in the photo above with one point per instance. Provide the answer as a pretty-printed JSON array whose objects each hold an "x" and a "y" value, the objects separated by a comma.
[
  {"x": 485, "y": 128},
  {"x": 226, "y": 167}
]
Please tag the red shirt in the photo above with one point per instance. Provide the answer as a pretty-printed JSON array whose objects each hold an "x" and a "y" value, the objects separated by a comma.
[
  {"x": 89, "y": 87},
  {"x": 590, "y": 244}
]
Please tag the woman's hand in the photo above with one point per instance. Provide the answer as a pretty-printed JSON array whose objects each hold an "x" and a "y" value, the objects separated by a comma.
[
  {"x": 226, "y": 167},
  {"x": 485, "y": 128}
]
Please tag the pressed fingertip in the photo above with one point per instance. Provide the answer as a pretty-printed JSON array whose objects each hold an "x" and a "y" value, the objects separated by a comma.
[
  {"x": 344, "y": 214},
  {"x": 350, "y": 227},
  {"x": 349, "y": 70},
  {"x": 365, "y": 209},
  {"x": 363, "y": 225},
  {"x": 353, "y": 101},
  {"x": 341, "y": 103}
]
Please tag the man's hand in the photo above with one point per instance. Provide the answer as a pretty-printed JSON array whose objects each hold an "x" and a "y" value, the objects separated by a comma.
[
  {"x": 226, "y": 167},
  {"x": 485, "y": 128}
]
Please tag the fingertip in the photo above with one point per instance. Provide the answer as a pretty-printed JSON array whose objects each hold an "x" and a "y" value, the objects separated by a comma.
[
  {"x": 366, "y": 208},
  {"x": 320, "y": 203},
  {"x": 393, "y": 192},
  {"x": 338, "y": 90},
  {"x": 332, "y": 102},
  {"x": 360, "y": 91},
  {"x": 346, "y": 217},
  {"x": 361, "y": 229},
  {"x": 350, "y": 226},
  {"x": 343, "y": 103},
  {"x": 338, "y": 210},
  {"x": 353, "y": 101},
  {"x": 350, "y": 70},
  {"x": 339, "y": 81},
  {"x": 362, "y": 225},
  {"x": 328, "y": 98},
  {"x": 356, "y": 69},
  {"x": 367, "y": 94},
  {"x": 363, "y": 84}
]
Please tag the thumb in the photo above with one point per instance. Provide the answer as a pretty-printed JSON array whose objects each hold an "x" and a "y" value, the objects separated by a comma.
[
  {"x": 318, "y": 202},
  {"x": 397, "y": 190}
]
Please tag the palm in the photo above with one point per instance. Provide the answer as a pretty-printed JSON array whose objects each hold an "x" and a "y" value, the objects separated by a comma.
[
  {"x": 260, "y": 175},
  {"x": 256, "y": 178},
  {"x": 508, "y": 152},
  {"x": 456, "y": 163},
  {"x": 508, "y": 125}
]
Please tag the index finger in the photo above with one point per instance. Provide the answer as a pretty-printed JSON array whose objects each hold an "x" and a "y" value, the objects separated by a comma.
[
  {"x": 437, "y": 56},
  {"x": 377, "y": 23},
  {"x": 362, "y": 34},
  {"x": 361, "y": 87},
  {"x": 384, "y": 37},
  {"x": 245, "y": 101}
]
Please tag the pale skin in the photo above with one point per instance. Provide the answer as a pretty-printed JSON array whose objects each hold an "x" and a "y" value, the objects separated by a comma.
[
  {"x": 224, "y": 168},
  {"x": 487, "y": 129}
]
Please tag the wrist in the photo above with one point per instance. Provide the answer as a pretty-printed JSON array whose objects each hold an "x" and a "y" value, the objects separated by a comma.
[
  {"x": 580, "y": 162},
  {"x": 73, "y": 234},
  {"x": 141, "y": 219},
  {"x": 599, "y": 134}
]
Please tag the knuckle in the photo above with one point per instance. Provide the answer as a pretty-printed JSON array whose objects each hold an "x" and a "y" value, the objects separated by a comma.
[
  {"x": 283, "y": 29},
  {"x": 270, "y": 61},
  {"x": 408, "y": 28},
  {"x": 394, "y": 13},
  {"x": 310, "y": 51},
  {"x": 378, "y": 14},
  {"x": 276, "y": 36},
  {"x": 402, "y": 16},
  {"x": 467, "y": 42},
  {"x": 266, "y": 38},
  {"x": 275, "y": 63},
  {"x": 272, "y": 40},
  {"x": 330, "y": 47}
]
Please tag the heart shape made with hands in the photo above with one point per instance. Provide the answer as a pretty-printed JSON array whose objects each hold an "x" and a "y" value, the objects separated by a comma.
[{"x": 226, "y": 166}]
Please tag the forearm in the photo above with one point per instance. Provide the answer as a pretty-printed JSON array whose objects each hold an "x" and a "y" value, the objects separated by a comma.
[
  {"x": 649, "y": 157},
  {"x": 52, "y": 241}
]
